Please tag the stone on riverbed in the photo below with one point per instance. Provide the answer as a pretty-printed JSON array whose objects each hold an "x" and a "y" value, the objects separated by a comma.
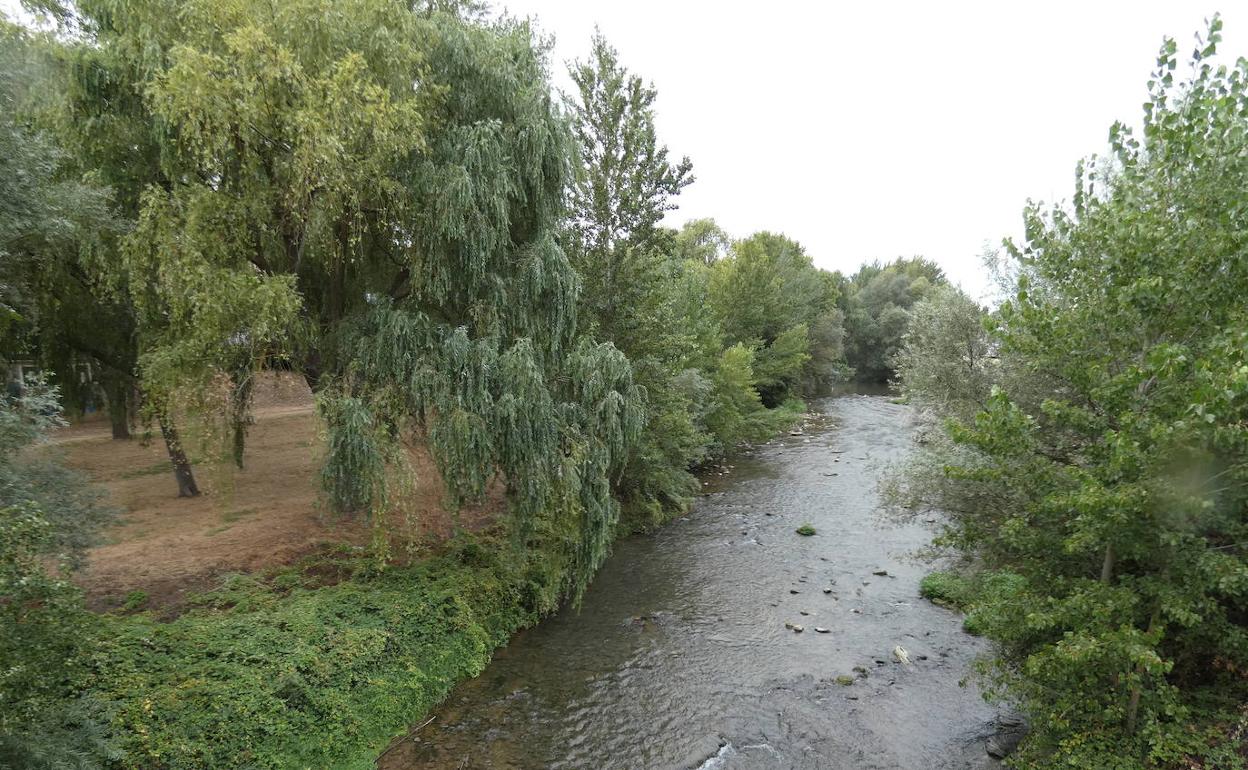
[{"x": 1002, "y": 745}]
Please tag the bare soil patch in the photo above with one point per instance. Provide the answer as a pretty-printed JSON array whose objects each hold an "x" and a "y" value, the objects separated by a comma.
[{"x": 268, "y": 514}]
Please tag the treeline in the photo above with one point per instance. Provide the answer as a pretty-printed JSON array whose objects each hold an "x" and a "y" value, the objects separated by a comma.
[
  {"x": 390, "y": 200},
  {"x": 1093, "y": 461}
]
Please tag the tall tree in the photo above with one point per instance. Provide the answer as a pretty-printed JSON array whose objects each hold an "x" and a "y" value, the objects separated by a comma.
[{"x": 622, "y": 189}]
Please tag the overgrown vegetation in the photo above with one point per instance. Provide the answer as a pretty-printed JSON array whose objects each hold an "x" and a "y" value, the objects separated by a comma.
[
  {"x": 388, "y": 199},
  {"x": 1094, "y": 458}
]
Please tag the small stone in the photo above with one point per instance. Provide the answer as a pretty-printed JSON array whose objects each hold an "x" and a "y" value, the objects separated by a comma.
[
  {"x": 821, "y": 630},
  {"x": 880, "y": 573},
  {"x": 827, "y": 590},
  {"x": 802, "y": 612},
  {"x": 902, "y": 656},
  {"x": 794, "y": 591}
]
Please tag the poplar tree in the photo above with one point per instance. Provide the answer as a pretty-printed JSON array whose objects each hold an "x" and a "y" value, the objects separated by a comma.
[{"x": 623, "y": 187}]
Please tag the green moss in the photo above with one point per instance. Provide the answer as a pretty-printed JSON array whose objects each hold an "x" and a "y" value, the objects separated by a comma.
[
  {"x": 947, "y": 588},
  {"x": 805, "y": 530}
]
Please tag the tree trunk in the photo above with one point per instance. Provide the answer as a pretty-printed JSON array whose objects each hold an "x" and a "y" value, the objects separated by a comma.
[
  {"x": 312, "y": 370},
  {"x": 240, "y": 419},
  {"x": 1107, "y": 566},
  {"x": 117, "y": 390},
  {"x": 177, "y": 455}
]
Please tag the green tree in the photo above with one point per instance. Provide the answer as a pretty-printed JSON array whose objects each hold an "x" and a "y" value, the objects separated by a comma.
[
  {"x": 395, "y": 243},
  {"x": 946, "y": 363},
  {"x": 1105, "y": 508},
  {"x": 622, "y": 190},
  {"x": 876, "y": 307},
  {"x": 51, "y": 219},
  {"x": 632, "y": 281},
  {"x": 768, "y": 294},
  {"x": 701, "y": 240}
]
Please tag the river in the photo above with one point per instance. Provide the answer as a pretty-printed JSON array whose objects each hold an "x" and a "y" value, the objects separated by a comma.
[{"x": 680, "y": 657}]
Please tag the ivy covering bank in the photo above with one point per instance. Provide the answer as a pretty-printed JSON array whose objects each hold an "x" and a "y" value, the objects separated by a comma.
[{"x": 281, "y": 675}]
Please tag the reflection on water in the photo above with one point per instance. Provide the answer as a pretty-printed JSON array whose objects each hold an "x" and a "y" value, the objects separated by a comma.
[{"x": 680, "y": 656}]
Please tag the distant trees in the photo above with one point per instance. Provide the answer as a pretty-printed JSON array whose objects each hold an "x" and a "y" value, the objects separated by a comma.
[
  {"x": 769, "y": 296},
  {"x": 719, "y": 333},
  {"x": 1096, "y": 473},
  {"x": 876, "y": 303}
]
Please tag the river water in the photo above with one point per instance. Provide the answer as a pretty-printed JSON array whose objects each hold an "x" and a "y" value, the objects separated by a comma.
[{"x": 680, "y": 658}]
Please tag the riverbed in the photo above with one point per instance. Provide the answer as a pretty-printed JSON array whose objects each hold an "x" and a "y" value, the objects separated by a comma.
[{"x": 679, "y": 656}]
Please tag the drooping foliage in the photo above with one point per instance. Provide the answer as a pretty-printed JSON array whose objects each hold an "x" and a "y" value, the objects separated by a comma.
[
  {"x": 1101, "y": 485},
  {"x": 623, "y": 186},
  {"x": 371, "y": 192}
]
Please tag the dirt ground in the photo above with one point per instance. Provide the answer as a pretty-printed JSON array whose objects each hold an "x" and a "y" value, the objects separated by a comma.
[{"x": 268, "y": 514}]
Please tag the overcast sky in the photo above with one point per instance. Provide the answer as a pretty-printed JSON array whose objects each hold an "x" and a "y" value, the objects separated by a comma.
[{"x": 873, "y": 130}]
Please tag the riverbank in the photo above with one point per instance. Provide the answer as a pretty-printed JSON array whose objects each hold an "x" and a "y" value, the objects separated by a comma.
[
  {"x": 281, "y": 673},
  {"x": 315, "y": 658}
]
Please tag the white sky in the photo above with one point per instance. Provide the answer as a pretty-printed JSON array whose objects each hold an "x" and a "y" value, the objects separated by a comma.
[{"x": 873, "y": 130}]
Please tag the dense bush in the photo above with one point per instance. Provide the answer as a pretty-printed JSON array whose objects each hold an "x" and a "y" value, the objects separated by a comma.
[
  {"x": 266, "y": 675},
  {"x": 1096, "y": 468}
]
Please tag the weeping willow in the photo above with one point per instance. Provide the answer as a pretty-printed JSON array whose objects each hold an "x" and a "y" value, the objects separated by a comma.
[
  {"x": 371, "y": 191},
  {"x": 480, "y": 350}
]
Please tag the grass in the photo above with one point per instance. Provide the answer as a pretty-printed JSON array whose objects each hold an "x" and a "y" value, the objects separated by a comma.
[
  {"x": 805, "y": 530},
  {"x": 947, "y": 588}
]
